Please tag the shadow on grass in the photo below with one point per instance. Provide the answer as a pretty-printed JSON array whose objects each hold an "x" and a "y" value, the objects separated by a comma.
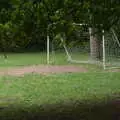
[{"x": 66, "y": 111}]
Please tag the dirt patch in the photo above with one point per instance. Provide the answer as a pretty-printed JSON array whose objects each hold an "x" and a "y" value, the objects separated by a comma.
[
  {"x": 114, "y": 70},
  {"x": 40, "y": 69}
]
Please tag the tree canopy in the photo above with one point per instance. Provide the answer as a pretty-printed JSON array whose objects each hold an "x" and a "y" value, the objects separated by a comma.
[{"x": 31, "y": 20}]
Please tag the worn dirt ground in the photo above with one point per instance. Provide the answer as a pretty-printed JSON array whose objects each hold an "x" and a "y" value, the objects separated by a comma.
[{"x": 42, "y": 69}]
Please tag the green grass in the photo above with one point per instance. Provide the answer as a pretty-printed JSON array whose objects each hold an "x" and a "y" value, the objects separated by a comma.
[
  {"x": 21, "y": 59},
  {"x": 80, "y": 56},
  {"x": 37, "y": 89},
  {"x": 65, "y": 95},
  {"x": 27, "y": 59},
  {"x": 56, "y": 96}
]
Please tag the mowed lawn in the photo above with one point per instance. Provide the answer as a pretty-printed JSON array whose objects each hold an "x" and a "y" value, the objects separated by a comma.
[
  {"x": 50, "y": 89},
  {"x": 21, "y": 59},
  {"x": 29, "y": 59},
  {"x": 73, "y": 96},
  {"x": 56, "y": 97}
]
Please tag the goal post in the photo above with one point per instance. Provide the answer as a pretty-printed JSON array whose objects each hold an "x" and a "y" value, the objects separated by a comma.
[
  {"x": 79, "y": 51},
  {"x": 103, "y": 43},
  {"x": 48, "y": 50},
  {"x": 111, "y": 48}
]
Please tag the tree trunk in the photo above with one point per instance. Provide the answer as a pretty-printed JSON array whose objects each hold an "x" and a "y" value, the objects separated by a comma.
[{"x": 95, "y": 44}]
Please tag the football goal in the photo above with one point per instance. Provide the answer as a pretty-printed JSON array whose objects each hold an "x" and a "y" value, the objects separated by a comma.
[
  {"x": 80, "y": 47},
  {"x": 111, "y": 57}
]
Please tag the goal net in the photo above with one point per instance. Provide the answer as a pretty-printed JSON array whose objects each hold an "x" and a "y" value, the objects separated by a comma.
[
  {"x": 112, "y": 50},
  {"x": 56, "y": 54},
  {"x": 70, "y": 48},
  {"x": 77, "y": 48}
]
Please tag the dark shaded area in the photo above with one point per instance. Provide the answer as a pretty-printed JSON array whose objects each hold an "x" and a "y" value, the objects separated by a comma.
[{"x": 66, "y": 111}]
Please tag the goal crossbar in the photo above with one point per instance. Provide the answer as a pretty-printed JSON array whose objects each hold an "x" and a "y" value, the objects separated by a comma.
[{"x": 68, "y": 54}]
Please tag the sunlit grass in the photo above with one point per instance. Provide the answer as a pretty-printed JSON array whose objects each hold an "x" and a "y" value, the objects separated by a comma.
[
  {"x": 21, "y": 59},
  {"x": 22, "y": 95},
  {"x": 28, "y": 59}
]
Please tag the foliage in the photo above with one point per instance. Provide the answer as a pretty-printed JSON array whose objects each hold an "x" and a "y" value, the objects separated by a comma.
[{"x": 32, "y": 20}]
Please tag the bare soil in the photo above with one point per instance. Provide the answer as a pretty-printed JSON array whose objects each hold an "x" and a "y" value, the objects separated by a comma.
[{"x": 42, "y": 69}]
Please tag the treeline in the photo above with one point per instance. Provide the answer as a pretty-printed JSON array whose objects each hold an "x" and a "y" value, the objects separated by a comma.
[{"x": 24, "y": 24}]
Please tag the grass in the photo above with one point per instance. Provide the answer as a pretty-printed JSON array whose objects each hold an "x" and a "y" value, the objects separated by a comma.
[
  {"x": 75, "y": 96},
  {"x": 37, "y": 94},
  {"x": 37, "y": 89},
  {"x": 27, "y": 59},
  {"x": 22, "y": 59}
]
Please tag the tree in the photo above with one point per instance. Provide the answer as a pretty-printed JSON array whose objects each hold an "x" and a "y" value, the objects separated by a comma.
[
  {"x": 98, "y": 15},
  {"x": 30, "y": 19},
  {"x": 5, "y": 37}
]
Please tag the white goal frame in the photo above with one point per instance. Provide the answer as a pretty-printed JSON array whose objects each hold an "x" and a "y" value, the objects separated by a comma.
[
  {"x": 104, "y": 50},
  {"x": 69, "y": 58}
]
